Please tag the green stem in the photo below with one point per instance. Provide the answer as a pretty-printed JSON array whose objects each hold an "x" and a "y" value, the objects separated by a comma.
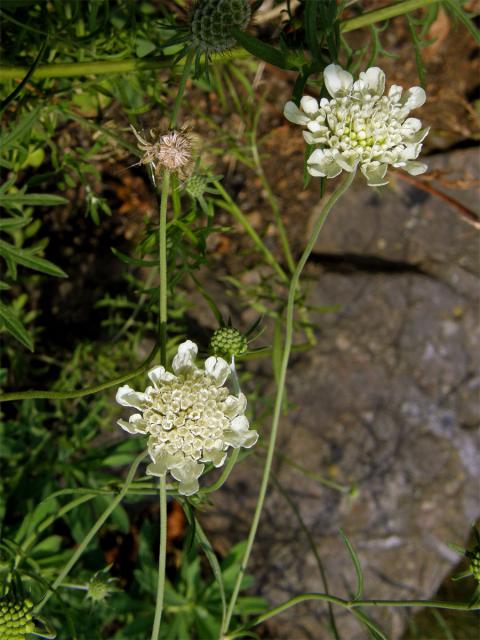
[
  {"x": 339, "y": 191},
  {"x": 181, "y": 89},
  {"x": 162, "y": 327},
  {"x": 353, "y": 604},
  {"x": 162, "y": 556},
  {"x": 227, "y": 469},
  {"x": 380, "y": 15},
  {"x": 162, "y": 257},
  {"x": 66, "y": 395},
  {"x": 230, "y": 206},
  {"x": 104, "y": 67},
  {"x": 272, "y": 201},
  {"x": 93, "y": 531}
]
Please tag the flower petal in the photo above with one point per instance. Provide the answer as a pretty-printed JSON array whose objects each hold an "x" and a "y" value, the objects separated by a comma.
[
  {"x": 323, "y": 163},
  {"x": 375, "y": 79},
  {"x": 239, "y": 424},
  {"x": 337, "y": 81},
  {"x": 234, "y": 406},
  {"x": 309, "y": 105},
  {"x": 243, "y": 439},
  {"x": 184, "y": 361},
  {"x": 375, "y": 172},
  {"x": 215, "y": 456},
  {"x": 415, "y": 168},
  {"x": 159, "y": 375},
  {"x": 293, "y": 114},
  {"x": 187, "y": 475},
  {"x": 127, "y": 397},
  {"x": 415, "y": 97},
  {"x": 135, "y": 424},
  {"x": 218, "y": 369}
]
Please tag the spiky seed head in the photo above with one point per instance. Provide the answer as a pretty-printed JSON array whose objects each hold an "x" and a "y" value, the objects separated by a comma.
[
  {"x": 212, "y": 21},
  {"x": 228, "y": 342},
  {"x": 15, "y": 618}
]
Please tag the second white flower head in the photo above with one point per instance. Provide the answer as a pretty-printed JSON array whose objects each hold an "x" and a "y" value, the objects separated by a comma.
[
  {"x": 361, "y": 126},
  {"x": 189, "y": 416}
]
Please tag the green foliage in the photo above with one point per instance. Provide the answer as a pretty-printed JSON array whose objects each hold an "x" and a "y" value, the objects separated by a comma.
[{"x": 66, "y": 140}]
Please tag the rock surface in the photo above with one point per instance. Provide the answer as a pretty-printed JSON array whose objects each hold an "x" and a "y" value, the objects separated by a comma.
[{"x": 387, "y": 399}]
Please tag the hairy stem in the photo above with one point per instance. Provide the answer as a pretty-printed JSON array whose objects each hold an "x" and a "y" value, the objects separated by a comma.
[{"x": 339, "y": 191}]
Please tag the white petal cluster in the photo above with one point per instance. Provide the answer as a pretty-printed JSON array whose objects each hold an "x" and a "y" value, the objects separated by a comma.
[
  {"x": 189, "y": 417},
  {"x": 361, "y": 126}
]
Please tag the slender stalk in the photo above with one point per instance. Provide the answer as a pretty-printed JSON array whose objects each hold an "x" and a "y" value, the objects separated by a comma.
[
  {"x": 162, "y": 265},
  {"x": 104, "y": 67},
  {"x": 181, "y": 89},
  {"x": 162, "y": 557},
  {"x": 339, "y": 191},
  {"x": 240, "y": 217},
  {"x": 162, "y": 329},
  {"x": 354, "y": 604},
  {"x": 272, "y": 201},
  {"x": 66, "y": 395},
  {"x": 227, "y": 469},
  {"x": 93, "y": 531},
  {"x": 385, "y": 13}
]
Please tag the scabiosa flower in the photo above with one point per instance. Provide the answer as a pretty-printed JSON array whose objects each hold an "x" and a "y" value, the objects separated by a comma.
[
  {"x": 172, "y": 151},
  {"x": 189, "y": 417},
  {"x": 361, "y": 126}
]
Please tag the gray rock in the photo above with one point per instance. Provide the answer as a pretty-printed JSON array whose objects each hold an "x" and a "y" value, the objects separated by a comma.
[{"x": 388, "y": 399}]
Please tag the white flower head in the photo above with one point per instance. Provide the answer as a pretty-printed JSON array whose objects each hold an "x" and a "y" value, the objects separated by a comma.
[
  {"x": 189, "y": 416},
  {"x": 359, "y": 126}
]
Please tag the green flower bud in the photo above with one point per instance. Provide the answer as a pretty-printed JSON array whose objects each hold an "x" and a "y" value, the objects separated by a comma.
[
  {"x": 475, "y": 563},
  {"x": 99, "y": 588},
  {"x": 211, "y": 23},
  {"x": 195, "y": 186},
  {"x": 15, "y": 619},
  {"x": 228, "y": 342}
]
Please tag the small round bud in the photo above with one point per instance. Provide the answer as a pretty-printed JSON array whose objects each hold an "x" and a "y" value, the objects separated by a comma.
[
  {"x": 228, "y": 342},
  {"x": 212, "y": 21}
]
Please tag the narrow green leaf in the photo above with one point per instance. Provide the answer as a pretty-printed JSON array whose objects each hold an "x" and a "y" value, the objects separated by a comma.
[
  {"x": 375, "y": 631},
  {"x": 22, "y": 127},
  {"x": 137, "y": 262},
  {"x": 212, "y": 559},
  {"x": 13, "y": 325},
  {"x": 27, "y": 259},
  {"x": 466, "y": 18},
  {"x": 14, "y": 223},
  {"x": 261, "y": 49},
  {"x": 31, "y": 199},
  {"x": 310, "y": 26},
  {"x": 356, "y": 564}
]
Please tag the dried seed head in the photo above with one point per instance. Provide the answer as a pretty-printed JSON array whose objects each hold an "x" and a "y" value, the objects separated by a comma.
[{"x": 172, "y": 151}]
